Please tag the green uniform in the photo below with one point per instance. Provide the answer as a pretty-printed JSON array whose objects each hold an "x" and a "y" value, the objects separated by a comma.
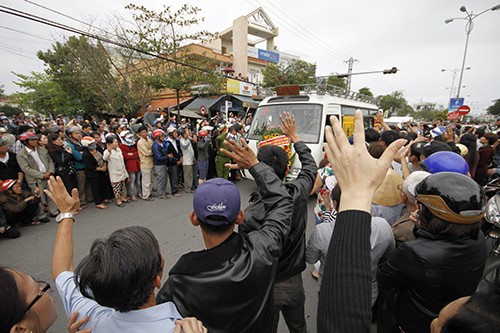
[{"x": 221, "y": 159}]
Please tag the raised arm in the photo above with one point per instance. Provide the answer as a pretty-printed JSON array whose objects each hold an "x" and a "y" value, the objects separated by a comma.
[
  {"x": 275, "y": 198},
  {"x": 307, "y": 175},
  {"x": 345, "y": 294},
  {"x": 62, "y": 258}
]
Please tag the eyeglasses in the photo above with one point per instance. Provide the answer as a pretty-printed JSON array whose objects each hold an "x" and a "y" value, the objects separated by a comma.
[{"x": 43, "y": 287}]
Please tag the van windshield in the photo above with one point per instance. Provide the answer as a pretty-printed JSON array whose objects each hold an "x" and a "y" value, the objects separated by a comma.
[{"x": 307, "y": 117}]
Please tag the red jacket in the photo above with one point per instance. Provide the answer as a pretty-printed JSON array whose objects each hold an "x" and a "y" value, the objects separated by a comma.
[{"x": 131, "y": 157}]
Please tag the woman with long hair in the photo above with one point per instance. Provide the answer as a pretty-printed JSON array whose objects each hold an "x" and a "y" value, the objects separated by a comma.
[
  {"x": 470, "y": 141},
  {"x": 61, "y": 154}
]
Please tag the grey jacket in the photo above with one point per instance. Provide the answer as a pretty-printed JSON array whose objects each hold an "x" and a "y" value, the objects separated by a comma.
[
  {"x": 381, "y": 240},
  {"x": 28, "y": 165}
]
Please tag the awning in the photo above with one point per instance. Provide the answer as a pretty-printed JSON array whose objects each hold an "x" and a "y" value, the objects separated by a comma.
[
  {"x": 207, "y": 102},
  {"x": 247, "y": 101},
  {"x": 187, "y": 114}
]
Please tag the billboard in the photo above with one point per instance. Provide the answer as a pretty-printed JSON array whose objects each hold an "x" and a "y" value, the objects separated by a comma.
[
  {"x": 269, "y": 56},
  {"x": 240, "y": 87},
  {"x": 263, "y": 54}
]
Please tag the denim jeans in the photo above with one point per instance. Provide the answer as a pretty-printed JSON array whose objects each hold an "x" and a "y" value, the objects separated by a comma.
[{"x": 134, "y": 183}]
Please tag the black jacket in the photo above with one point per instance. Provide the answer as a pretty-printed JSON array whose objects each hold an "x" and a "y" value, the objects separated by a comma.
[
  {"x": 90, "y": 164},
  {"x": 10, "y": 169},
  {"x": 430, "y": 272},
  {"x": 292, "y": 260},
  {"x": 230, "y": 287},
  {"x": 63, "y": 162},
  {"x": 171, "y": 150}
]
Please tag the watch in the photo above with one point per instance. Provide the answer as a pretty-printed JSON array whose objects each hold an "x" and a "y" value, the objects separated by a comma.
[{"x": 62, "y": 216}]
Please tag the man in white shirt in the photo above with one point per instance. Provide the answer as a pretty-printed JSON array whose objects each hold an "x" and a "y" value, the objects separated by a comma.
[
  {"x": 188, "y": 160},
  {"x": 115, "y": 282}
]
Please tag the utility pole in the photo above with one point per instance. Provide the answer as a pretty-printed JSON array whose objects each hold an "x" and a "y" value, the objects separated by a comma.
[{"x": 350, "y": 63}]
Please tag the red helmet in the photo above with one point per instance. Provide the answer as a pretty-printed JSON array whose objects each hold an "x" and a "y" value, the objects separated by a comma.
[
  {"x": 6, "y": 184},
  {"x": 202, "y": 133},
  {"x": 27, "y": 136},
  {"x": 157, "y": 133}
]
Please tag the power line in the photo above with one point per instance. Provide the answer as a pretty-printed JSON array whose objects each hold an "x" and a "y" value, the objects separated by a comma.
[
  {"x": 31, "y": 17},
  {"x": 4, "y": 49},
  {"x": 296, "y": 32},
  {"x": 67, "y": 16},
  {"x": 25, "y": 33},
  {"x": 326, "y": 45}
]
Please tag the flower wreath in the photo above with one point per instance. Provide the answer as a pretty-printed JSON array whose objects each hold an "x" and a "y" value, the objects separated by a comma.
[{"x": 274, "y": 136}]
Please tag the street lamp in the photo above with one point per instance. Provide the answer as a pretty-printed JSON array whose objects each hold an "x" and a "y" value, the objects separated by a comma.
[
  {"x": 470, "y": 17},
  {"x": 454, "y": 71}
]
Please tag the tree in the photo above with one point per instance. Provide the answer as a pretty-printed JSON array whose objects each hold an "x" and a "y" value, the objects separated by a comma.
[
  {"x": 2, "y": 92},
  {"x": 336, "y": 81},
  {"x": 43, "y": 94},
  {"x": 495, "y": 108},
  {"x": 366, "y": 92},
  {"x": 165, "y": 32},
  {"x": 293, "y": 72},
  {"x": 394, "y": 103},
  {"x": 429, "y": 114}
]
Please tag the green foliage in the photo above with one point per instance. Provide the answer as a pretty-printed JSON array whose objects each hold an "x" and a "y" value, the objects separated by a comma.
[
  {"x": 429, "y": 114},
  {"x": 337, "y": 82},
  {"x": 44, "y": 95},
  {"x": 2, "y": 92},
  {"x": 82, "y": 71},
  {"x": 366, "y": 92},
  {"x": 394, "y": 104},
  {"x": 166, "y": 32},
  {"x": 293, "y": 72},
  {"x": 495, "y": 108},
  {"x": 9, "y": 110}
]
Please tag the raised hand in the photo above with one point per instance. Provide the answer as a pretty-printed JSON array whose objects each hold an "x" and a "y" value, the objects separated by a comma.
[
  {"x": 357, "y": 173},
  {"x": 288, "y": 127},
  {"x": 64, "y": 202},
  {"x": 240, "y": 153}
]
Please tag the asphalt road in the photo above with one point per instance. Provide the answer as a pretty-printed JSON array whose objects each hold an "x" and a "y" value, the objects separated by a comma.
[{"x": 168, "y": 219}]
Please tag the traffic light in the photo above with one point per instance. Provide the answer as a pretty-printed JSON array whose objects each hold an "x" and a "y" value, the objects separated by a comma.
[{"x": 393, "y": 70}]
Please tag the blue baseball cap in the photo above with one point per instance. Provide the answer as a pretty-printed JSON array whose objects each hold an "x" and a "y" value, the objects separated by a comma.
[{"x": 217, "y": 202}]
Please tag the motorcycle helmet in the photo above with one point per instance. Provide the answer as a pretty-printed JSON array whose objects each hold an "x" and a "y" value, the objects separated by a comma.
[
  {"x": 127, "y": 138},
  {"x": 28, "y": 136},
  {"x": 157, "y": 133},
  {"x": 452, "y": 197},
  {"x": 87, "y": 141},
  {"x": 446, "y": 161}
]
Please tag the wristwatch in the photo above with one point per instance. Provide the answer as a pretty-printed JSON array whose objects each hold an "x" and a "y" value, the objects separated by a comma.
[{"x": 62, "y": 216}]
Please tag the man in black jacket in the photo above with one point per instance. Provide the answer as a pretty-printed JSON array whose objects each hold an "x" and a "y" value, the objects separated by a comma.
[
  {"x": 229, "y": 285},
  {"x": 289, "y": 296}
]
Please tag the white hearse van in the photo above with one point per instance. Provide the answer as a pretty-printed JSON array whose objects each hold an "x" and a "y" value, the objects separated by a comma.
[{"x": 312, "y": 111}]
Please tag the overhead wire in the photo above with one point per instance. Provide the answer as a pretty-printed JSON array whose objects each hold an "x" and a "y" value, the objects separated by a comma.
[
  {"x": 68, "y": 16},
  {"x": 295, "y": 31},
  {"x": 311, "y": 35},
  {"x": 42, "y": 20},
  {"x": 326, "y": 48},
  {"x": 25, "y": 33}
]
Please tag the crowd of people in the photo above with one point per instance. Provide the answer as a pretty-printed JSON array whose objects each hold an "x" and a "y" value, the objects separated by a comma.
[
  {"x": 120, "y": 161},
  {"x": 398, "y": 238}
]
